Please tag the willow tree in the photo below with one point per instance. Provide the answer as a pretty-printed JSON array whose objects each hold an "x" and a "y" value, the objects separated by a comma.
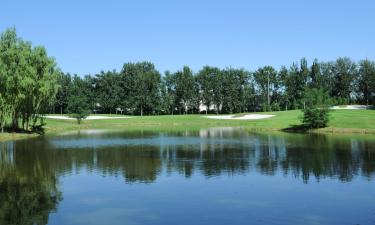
[{"x": 28, "y": 81}]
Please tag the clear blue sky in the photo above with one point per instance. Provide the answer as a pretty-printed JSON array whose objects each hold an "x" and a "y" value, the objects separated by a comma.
[{"x": 89, "y": 36}]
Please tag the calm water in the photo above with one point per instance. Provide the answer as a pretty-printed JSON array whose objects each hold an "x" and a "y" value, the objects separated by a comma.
[{"x": 214, "y": 176}]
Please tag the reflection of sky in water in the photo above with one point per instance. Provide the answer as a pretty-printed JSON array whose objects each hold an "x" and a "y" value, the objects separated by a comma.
[
  {"x": 157, "y": 140},
  {"x": 249, "y": 199}
]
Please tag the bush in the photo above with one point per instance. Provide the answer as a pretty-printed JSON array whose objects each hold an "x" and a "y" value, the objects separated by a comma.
[
  {"x": 316, "y": 113},
  {"x": 315, "y": 117},
  {"x": 275, "y": 106},
  {"x": 265, "y": 108}
]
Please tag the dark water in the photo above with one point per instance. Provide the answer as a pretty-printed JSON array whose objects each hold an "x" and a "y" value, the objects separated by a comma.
[{"x": 215, "y": 176}]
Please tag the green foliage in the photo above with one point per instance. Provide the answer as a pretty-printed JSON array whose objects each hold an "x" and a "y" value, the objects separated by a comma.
[
  {"x": 315, "y": 117},
  {"x": 78, "y": 108},
  {"x": 267, "y": 80},
  {"x": 140, "y": 86},
  {"x": 78, "y": 102},
  {"x": 64, "y": 82},
  {"x": 343, "y": 73},
  {"x": 366, "y": 82},
  {"x": 316, "y": 113},
  {"x": 28, "y": 81},
  {"x": 275, "y": 106}
]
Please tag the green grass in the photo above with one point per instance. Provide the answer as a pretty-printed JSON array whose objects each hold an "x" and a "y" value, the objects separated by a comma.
[
  {"x": 357, "y": 121},
  {"x": 342, "y": 121},
  {"x": 15, "y": 136}
]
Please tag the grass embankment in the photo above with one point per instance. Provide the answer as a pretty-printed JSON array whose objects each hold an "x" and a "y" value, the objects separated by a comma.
[
  {"x": 15, "y": 136},
  {"x": 342, "y": 121}
]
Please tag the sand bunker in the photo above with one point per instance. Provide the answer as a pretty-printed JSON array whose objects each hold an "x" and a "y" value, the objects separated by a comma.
[
  {"x": 244, "y": 117},
  {"x": 352, "y": 107},
  {"x": 87, "y": 118}
]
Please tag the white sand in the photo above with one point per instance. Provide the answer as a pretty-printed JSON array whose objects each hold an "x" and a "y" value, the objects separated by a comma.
[
  {"x": 351, "y": 107},
  {"x": 244, "y": 117},
  {"x": 87, "y": 118}
]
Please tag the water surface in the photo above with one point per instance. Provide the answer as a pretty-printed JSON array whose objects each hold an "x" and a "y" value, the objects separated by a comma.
[{"x": 213, "y": 176}]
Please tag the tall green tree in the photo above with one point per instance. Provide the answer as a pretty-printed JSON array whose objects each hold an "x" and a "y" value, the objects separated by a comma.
[
  {"x": 64, "y": 82},
  {"x": 207, "y": 80},
  {"x": 78, "y": 101},
  {"x": 366, "y": 82},
  {"x": 233, "y": 86},
  {"x": 344, "y": 72},
  {"x": 107, "y": 91},
  {"x": 296, "y": 82},
  {"x": 267, "y": 83},
  {"x": 140, "y": 84},
  {"x": 185, "y": 90},
  {"x": 29, "y": 80}
]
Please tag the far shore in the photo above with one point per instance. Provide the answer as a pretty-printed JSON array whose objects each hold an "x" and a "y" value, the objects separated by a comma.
[{"x": 341, "y": 122}]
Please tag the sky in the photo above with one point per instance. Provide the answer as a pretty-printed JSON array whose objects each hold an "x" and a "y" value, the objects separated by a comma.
[{"x": 87, "y": 36}]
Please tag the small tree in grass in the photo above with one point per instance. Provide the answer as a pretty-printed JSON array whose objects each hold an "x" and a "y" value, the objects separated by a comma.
[{"x": 316, "y": 113}]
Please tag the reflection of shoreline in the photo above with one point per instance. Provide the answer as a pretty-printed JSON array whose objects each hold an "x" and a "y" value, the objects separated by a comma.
[
  {"x": 142, "y": 157},
  {"x": 28, "y": 192}
]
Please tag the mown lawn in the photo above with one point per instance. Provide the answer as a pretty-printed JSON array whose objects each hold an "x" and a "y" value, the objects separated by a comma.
[{"x": 362, "y": 121}]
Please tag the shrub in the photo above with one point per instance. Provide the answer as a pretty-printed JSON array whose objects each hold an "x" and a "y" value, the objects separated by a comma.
[
  {"x": 316, "y": 113},
  {"x": 275, "y": 106},
  {"x": 315, "y": 117}
]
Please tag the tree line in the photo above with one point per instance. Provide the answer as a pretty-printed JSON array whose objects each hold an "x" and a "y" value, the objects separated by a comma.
[
  {"x": 31, "y": 85},
  {"x": 140, "y": 89}
]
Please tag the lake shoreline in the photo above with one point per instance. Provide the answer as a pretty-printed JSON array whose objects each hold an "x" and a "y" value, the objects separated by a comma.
[
  {"x": 342, "y": 122},
  {"x": 327, "y": 131}
]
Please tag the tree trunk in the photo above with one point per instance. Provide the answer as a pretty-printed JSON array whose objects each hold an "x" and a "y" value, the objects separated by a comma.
[
  {"x": 61, "y": 110},
  {"x": 141, "y": 110},
  {"x": 14, "y": 122},
  {"x": 27, "y": 123}
]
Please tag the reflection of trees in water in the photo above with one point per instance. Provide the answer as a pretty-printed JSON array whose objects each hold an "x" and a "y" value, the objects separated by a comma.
[
  {"x": 28, "y": 193},
  {"x": 212, "y": 153},
  {"x": 210, "y": 162},
  {"x": 321, "y": 156}
]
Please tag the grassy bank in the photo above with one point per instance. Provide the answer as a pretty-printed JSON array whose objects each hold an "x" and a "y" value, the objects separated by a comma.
[
  {"x": 347, "y": 121},
  {"x": 342, "y": 121},
  {"x": 15, "y": 136}
]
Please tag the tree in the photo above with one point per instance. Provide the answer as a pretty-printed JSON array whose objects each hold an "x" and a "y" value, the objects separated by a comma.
[
  {"x": 184, "y": 88},
  {"x": 265, "y": 79},
  {"x": 316, "y": 112},
  {"x": 366, "y": 82},
  {"x": 78, "y": 102},
  {"x": 316, "y": 77},
  {"x": 232, "y": 87},
  {"x": 344, "y": 72},
  {"x": 64, "y": 82},
  {"x": 168, "y": 92},
  {"x": 29, "y": 81},
  {"x": 206, "y": 80},
  {"x": 295, "y": 84},
  {"x": 107, "y": 91},
  {"x": 140, "y": 84}
]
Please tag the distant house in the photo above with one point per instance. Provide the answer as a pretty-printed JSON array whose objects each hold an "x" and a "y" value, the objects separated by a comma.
[{"x": 203, "y": 108}]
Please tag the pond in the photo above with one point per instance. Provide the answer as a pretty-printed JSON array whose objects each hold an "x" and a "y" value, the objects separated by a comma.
[{"x": 212, "y": 176}]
